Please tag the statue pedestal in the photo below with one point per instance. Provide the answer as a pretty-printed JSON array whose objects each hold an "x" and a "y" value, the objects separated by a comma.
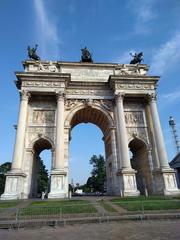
[
  {"x": 59, "y": 184},
  {"x": 165, "y": 182},
  {"x": 14, "y": 186},
  {"x": 128, "y": 183}
]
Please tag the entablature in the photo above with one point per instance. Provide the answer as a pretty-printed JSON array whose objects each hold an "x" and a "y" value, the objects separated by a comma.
[{"x": 134, "y": 85}]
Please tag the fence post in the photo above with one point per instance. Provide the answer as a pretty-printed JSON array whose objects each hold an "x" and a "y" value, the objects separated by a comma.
[
  {"x": 17, "y": 214},
  {"x": 61, "y": 213},
  {"x": 142, "y": 207}
]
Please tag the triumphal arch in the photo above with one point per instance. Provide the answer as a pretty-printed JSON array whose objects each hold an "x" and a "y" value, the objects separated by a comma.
[{"x": 118, "y": 98}]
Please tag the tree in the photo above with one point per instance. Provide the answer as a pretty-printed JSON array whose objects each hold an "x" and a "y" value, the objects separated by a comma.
[
  {"x": 98, "y": 174},
  {"x": 4, "y": 168},
  {"x": 42, "y": 178}
]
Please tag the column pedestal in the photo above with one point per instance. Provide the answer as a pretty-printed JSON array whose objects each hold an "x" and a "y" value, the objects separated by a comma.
[
  {"x": 59, "y": 184},
  {"x": 128, "y": 183},
  {"x": 165, "y": 182},
  {"x": 14, "y": 186}
]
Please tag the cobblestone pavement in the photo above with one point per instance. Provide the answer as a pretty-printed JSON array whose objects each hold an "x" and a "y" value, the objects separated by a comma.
[{"x": 146, "y": 230}]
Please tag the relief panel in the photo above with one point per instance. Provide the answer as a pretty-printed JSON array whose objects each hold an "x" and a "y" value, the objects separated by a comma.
[
  {"x": 134, "y": 118},
  {"x": 43, "y": 117}
]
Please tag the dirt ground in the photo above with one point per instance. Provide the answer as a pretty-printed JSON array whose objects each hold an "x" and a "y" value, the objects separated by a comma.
[{"x": 146, "y": 230}]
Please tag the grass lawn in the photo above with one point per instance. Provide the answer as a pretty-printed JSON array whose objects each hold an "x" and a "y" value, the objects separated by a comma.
[
  {"x": 150, "y": 203},
  {"x": 8, "y": 204},
  {"x": 58, "y": 207},
  {"x": 107, "y": 206},
  {"x": 140, "y": 198}
]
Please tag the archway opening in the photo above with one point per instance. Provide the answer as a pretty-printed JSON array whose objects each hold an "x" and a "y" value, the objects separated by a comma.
[
  {"x": 89, "y": 129},
  {"x": 42, "y": 160},
  {"x": 139, "y": 162}
]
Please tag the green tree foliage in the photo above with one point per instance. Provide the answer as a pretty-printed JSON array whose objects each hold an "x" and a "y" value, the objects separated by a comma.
[
  {"x": 98, "y": 174},
  {"x": 4, "y": 168},
  {"x": 42, "y": 178}
]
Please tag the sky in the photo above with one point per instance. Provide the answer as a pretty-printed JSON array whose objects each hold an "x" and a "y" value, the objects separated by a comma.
[{"x": 110, "y": 29}]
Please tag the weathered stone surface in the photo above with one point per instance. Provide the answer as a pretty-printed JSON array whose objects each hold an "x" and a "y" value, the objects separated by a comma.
[{"x": 118, "y": 98}]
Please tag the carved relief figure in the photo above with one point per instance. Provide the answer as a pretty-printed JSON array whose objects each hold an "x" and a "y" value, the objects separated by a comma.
[
  {"x": 40, "y": 116},
  {"x": 170, "y": 181},
  {"x": 134, "y": 118}
]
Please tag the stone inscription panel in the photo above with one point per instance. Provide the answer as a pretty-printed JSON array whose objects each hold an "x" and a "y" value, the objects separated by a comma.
[{"x": 88, "y": 74}]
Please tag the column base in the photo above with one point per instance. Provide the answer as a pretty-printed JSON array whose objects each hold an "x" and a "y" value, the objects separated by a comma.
[
  {"x": 14, "y": 186},
  {"x": 165, "y": 182},
  {"x": 59, "y": 184},
  {"x": 128, "y": 183}
]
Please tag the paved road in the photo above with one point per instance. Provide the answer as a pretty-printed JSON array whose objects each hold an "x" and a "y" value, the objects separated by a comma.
[{"x": 147, "y": 230}]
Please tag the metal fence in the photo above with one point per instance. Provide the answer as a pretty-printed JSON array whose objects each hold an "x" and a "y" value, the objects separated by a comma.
[{"x": 96, "y": 209}]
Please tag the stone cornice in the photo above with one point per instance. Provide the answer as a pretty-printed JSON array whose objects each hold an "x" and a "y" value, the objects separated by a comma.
[
  {"x": 118, "y": 78},
  {"x": 134, "y": 84},
  {"x": 81, "y": 64},
  {"x": 41, "y": 77}
]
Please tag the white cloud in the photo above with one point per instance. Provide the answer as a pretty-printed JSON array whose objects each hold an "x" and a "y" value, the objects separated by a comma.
[
  {"x": 166, "y": 55},
  {"x": 47, "y": 32},
  {"x": 145, "y": 13},
  {"x": 171, "y": 97},
  {"x": 125, "y": 57}
]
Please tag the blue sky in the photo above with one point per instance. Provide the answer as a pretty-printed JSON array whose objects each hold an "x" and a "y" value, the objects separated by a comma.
[{"x": 111, "y": 29}]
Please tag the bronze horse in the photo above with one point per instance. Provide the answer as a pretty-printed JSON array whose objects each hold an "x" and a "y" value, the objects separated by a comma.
[
  {"x": 137, "y": 58},
  {"x": 32, "y": 53}
]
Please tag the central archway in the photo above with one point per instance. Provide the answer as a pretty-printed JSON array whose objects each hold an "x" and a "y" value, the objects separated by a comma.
[{"x": 104, "y": 122}]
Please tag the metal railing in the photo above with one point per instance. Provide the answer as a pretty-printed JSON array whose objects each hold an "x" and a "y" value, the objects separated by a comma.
[{"x": 75, "y": 211}]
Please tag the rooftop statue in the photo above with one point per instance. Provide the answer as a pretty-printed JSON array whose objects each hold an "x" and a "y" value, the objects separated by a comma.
[
  {"x": 32, "y": 53},
  {"x": 137, "y": 58},
  {"x": 86, "y": 55}
]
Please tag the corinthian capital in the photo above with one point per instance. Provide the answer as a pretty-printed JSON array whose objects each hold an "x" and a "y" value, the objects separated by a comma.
[
  {"x": 24, "y": 95},
  {"x": 152, "y": 97},
  {"x": 119, "y": 96},
  {"x": 60, "y": 95}
]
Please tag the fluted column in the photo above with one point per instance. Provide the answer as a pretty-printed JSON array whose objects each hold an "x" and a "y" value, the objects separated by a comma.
[
  {"x": 20, "y": 134},
  {"x": 114, "y": 159},
  {"x": 122, "y": 135},
  {"x": 113, "y": 146},
  {"x": 59, "y": 152},
  {"x": 161, "y": 150}
]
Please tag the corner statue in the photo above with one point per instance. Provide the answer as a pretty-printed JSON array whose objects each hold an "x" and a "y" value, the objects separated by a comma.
[
  {"x": 137, "y": 58},
  {"x": 32, "y": 53},
  {"x": 86, "y": 55}
]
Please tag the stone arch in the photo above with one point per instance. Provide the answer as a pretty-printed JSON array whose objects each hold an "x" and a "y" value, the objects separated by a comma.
[
  {"x": 140, "y": 162},
  {"x": 104, "y": 113},
  {"x": 38, "y": 145},
  {"x": 34, "y": 140},
  {"x": 139, "y": 139}
]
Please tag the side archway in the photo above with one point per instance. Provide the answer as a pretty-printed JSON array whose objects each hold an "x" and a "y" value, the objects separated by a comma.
[
  {"x": 38, "y": 146},
  {"x": 140, "y": 162}
]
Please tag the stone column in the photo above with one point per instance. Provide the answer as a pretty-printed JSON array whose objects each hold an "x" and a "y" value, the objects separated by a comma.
[
  {"x": 14, "y": 187},
  {"x": 59, "y": 152},
  {"x": 59, "y": 177},
  {"x": 114, "y": 159},
  {"x": 123, "y": 139},
  {"x": 161, "y": 150},
  {"x": 20, "y": 134},
  {"x": 127, "y": 178},
  {"x": 165, "y": 180}
]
